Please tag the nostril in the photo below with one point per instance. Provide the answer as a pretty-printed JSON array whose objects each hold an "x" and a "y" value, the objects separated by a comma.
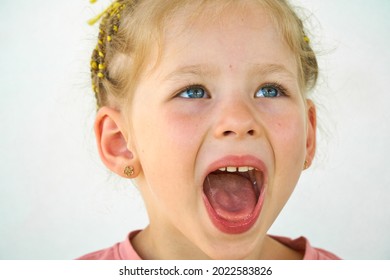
[{"x": 227, "y": 133}]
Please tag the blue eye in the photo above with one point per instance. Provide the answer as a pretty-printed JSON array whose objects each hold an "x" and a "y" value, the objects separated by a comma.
[
  {"x": 194, "y": 92},
  {"x": 269, "y": 91}
]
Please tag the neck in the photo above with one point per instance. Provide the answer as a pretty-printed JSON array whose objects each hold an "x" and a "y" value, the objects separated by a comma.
[{"x": 153, "y": 244}]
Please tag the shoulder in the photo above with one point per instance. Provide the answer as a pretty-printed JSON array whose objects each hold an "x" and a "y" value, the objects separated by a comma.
[
  {"x": 111, "y": 253},
  {"x": 120, "y": 251},
  {"x": 303, "y": 245}
]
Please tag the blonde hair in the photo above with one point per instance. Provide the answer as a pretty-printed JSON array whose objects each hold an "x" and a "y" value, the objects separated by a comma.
[{"x": 131, "y": 29}]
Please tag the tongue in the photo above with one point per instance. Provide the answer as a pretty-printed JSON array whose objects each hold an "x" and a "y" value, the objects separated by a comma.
[{"x": 231, "y": 195}]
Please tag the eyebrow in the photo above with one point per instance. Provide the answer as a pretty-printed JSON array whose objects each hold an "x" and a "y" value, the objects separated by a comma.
[
  {"x": 208, "y": 70},
  {"x": 269, "y": 69},
  {"x": 200, "y": 70}
]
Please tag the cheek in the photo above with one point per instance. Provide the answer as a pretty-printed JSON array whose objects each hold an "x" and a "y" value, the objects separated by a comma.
[
  {"x": 287, "y": 132},
  {"x": 182, "y": 123},
  {"x": 167, "y": 137},
  {"x": 287, "y": 137}
]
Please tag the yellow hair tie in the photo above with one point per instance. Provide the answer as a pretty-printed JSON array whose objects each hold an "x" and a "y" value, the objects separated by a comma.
[
  {"x": 112, "y": 9},
  {"x": 94, "y": 65}
]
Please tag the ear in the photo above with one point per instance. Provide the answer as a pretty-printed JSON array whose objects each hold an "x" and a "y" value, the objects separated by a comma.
[
  {"x": 112, "y": 142},
  {"x": 311, "y": 137}
]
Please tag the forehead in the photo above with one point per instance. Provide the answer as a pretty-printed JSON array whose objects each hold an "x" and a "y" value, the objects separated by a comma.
[{"x": 242, "y": 31}]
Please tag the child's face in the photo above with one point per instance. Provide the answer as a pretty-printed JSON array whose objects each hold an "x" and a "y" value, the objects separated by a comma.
[{"x": 224, "y": 95}]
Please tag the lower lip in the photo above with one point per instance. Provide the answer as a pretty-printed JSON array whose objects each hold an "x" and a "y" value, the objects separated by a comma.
[{"x": 234, "y": 227}]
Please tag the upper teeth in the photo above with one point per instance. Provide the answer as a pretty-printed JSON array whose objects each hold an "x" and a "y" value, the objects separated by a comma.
[{"x": 235, "y": 169}]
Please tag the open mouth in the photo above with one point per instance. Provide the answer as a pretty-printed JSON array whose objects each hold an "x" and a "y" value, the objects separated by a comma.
[{"x": 233, "y": 196}]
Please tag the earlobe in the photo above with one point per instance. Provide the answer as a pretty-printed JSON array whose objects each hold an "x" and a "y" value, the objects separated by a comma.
[
  {"x": 111, "y": 141},
  {"x": 311, "y": 139}
]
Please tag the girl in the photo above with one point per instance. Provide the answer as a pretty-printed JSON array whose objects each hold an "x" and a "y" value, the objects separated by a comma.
[{"x": 204, "y": 105}]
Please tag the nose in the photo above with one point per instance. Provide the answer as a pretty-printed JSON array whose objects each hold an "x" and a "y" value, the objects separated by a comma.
[{"x": 236, "y": 119}]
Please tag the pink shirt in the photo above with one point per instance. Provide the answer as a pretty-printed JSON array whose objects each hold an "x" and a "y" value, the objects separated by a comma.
[{"x": 125, "y": 251}]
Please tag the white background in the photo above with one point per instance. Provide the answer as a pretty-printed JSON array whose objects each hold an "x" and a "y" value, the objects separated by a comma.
[{"x": 57, "y": 200}]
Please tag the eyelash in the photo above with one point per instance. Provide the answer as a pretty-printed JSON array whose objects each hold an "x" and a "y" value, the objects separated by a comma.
[
  {"x": 281, "y": 91},
  {"x": 193, "y": 87}
]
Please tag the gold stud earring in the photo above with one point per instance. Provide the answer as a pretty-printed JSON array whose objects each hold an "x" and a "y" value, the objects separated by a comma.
[
  {"x": 129, "y": 171},
  {"x": 306, "y": 165}
]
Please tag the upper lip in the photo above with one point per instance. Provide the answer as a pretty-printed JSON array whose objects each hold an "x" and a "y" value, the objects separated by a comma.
[{"x": 237, "y": 161}]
